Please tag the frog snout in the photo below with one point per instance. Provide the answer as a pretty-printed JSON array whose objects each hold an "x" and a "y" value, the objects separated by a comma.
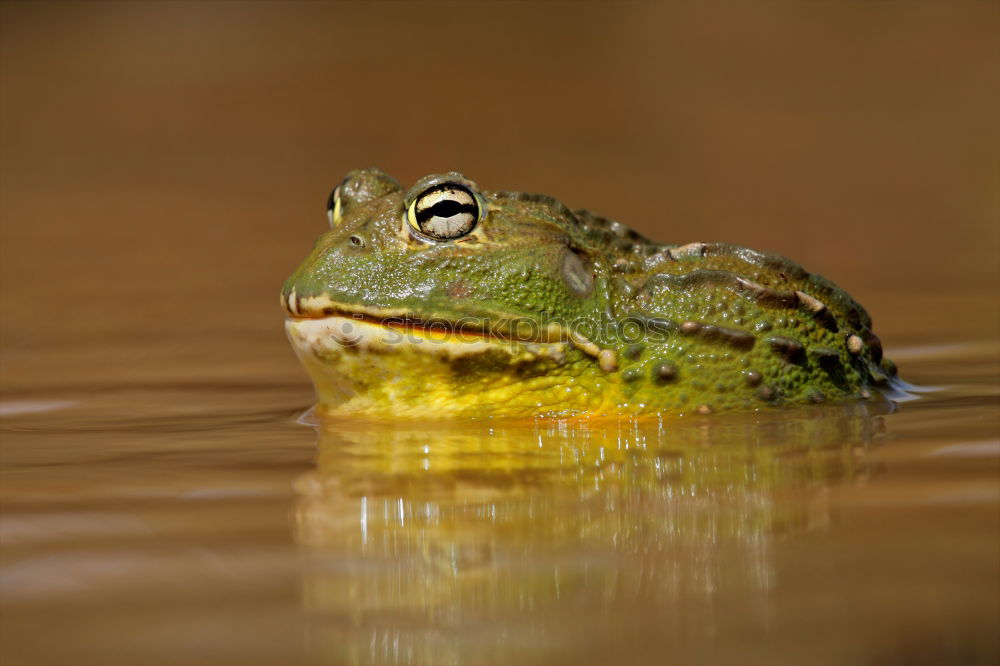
[{"x": 305, "y": 306}]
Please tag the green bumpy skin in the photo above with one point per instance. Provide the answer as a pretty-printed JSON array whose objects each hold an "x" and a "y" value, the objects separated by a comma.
[{"x": 525, "y": 308}]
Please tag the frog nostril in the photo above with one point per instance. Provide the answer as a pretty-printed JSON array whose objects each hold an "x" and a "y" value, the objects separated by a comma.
[{"x": 357, "y": 241}]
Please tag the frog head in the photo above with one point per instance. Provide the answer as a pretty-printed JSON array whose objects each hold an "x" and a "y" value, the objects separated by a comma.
[
  {"x": 446, "y": 253},
  {"x": 443, "y": 270}
]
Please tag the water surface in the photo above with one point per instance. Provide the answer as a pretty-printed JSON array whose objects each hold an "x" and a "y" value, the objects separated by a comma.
[{"x": 205, "y": 524}]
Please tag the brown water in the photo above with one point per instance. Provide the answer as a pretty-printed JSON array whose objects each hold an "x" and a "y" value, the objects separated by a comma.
[{"x": 164, "y": 166}]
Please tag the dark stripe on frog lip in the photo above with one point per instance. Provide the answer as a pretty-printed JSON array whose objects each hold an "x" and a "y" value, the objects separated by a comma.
[{"x": 402, "y": 321}]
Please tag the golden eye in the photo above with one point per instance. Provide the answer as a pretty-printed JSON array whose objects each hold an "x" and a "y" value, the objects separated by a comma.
[
  {"x": 445, "y": 211},
  {"x": 334, "y": 208}
]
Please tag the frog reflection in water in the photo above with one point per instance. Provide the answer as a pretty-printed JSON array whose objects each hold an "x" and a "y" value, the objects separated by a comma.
[
  {"x": 560, "y": 542},
  {"x": 448, "y": 300}
]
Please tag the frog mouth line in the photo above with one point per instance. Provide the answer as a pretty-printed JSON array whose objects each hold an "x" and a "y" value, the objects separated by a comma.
[
  {"x": 320, "y": 307},
  {"x": 322, "y": 341},
  {"x": 411, "y": 324},
  {"x": 474, "y": 332}
]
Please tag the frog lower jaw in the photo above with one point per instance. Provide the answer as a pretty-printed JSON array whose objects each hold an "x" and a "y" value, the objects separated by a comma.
[{"x": 362, "y": 366}]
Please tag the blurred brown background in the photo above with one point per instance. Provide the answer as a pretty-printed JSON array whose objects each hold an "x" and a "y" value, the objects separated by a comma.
[{"x": 165, "y": 165}]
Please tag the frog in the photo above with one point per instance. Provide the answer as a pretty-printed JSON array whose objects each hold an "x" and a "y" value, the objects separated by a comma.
[{"x": 446, "y": 300}]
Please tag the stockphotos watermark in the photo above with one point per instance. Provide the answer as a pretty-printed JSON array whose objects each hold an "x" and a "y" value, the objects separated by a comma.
[{"x": 399, "y": 330}]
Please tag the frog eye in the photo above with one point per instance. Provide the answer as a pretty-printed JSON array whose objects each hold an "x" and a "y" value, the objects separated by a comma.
[
  {"x": 444, "y": 211},
  {"x": 334, "y": 207}
]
